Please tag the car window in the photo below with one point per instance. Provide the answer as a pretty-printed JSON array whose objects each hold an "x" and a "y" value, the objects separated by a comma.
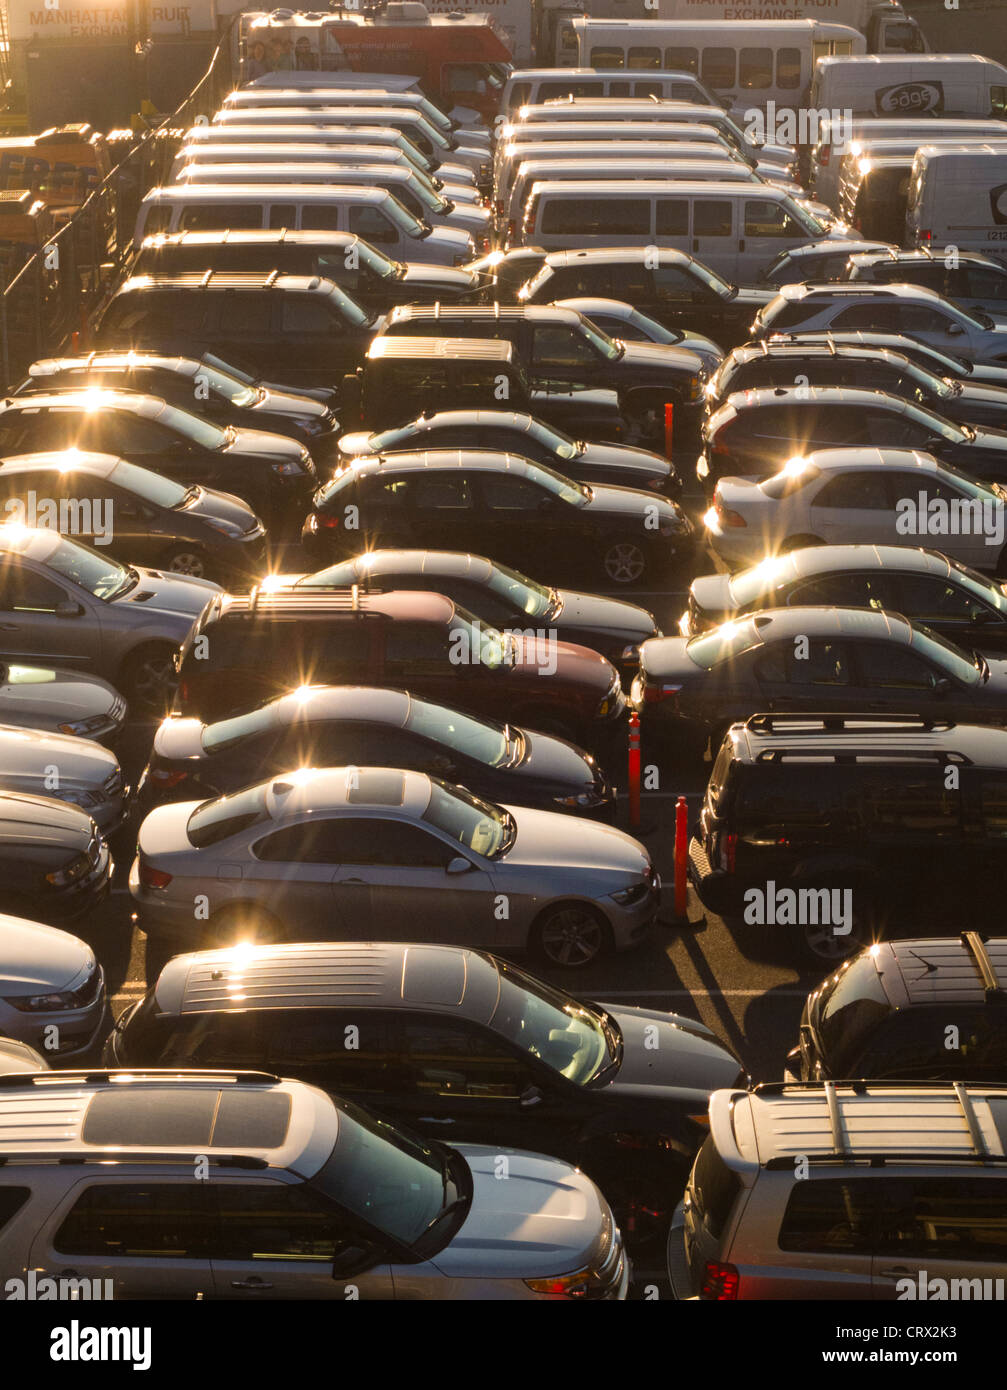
[
  {"x": 844, "y": 590},
  {"x": 413, "y": 649},
  {"x": 820, "y": 664},
  {"x": 898, "y": 804},
  {"x": 22, "y": 591},
  {"x": 595, "y": 217},
  {"x": 755, "y": 68},
  {"x": 712, "y": 217},
  {"x": 311, "y": 842},
  {"x": 28, "y": 430},
  {"x": 370, "y": 223},
  {"x": 138, "y": 1220},
  {"x": 959, "y": 1218},
  {"x": 671, "y": 283},
  {"x": 717, "y": 69},
  {"x": 274, "y": 1221},
  {"x": 830, "y": 1214},
  {"x": 377, "y": 841},
  {"x": 448, "y": 1057},
  {"x": 993, "y": 796},
  {"x": 879, "y": 318},
  {"x": 766, "y": 218},
  {"x": 12, "y": 1199},
  {"x": 927, "y": 598},
  {"x": 503, "y": 492},
  {"x": 912, "y": 1042},
  {"x": 428, "y": 492},
  {"x": 305, "y": 316},
  {"x": 312, "y": 1044},
  {"x": 976, "y": 283},
  {"x": 122, "y": 432},
  {"x": 211, "y": 217},
  {"x": 891, "y": 667},
  {"x": 673, "y": 220},
  {"x": 556, "y": 346},
  {"x": 865, "y": 491}
]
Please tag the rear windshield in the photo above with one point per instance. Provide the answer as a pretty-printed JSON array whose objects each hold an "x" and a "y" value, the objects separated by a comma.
[
  {"x": 226, "y": 815},
  {"x": 723, "y": 643},
  {"x": 850, "y": 1009},
  {"x": 714, "y": 1188}
]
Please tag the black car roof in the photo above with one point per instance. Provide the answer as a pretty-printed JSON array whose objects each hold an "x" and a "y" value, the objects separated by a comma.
[
  {"x": 235, "y": 280},
  {"x": 390, "y": 347},
  {"x": 968, "y": 970},
  {"x": 766, "y": 738},
  {"x": 464, "y": 313}
]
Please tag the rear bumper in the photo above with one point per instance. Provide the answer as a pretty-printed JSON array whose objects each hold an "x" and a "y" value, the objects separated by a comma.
[
  {"x": 717, "y": 890},
  {"x": 678, "y": 1264}
]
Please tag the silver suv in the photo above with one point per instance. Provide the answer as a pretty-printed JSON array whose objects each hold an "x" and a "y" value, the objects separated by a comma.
[
  {"x": 239, "y": 1185},
  {"x": 65, "y": 604},
  {"x": 846, "y": 1190}
]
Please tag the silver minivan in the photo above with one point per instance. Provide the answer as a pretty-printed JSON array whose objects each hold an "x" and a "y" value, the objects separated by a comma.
[
  {"x": 532, "y": 86},
  {"x": 309, "y": 1197},
  {"x": 735, "y": 229},
  {"x": 372, "y": 213}
]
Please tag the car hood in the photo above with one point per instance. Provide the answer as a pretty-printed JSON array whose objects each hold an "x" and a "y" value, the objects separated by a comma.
[
  {"x": 993, "y": 440},
  {"x": 262, "y": 444},
  {"x": 978, "y": 393},
  {"x": 468, "y": 215},
  {"x": 180, "y": 594},
  {"x": 667, "y": 659},
  {"x": 995, "y": 688},
  {"x": 452, "y": 239},
  {"x": 631, "y": 501},
  {"x": 650, "y": 356},
  {"x": 179, "y": 738},
  {"x": 617, "y": 456},
  {"x": 27, "y": 819},
  {"x": 35, "y": 959},
  {"x": 662, "y": 1050},
  {"x": 749, "y": 297},
  {"x": 220, "y": 506},
  {"x": 594, "y": 612},
  {"x": 574, "y": 664},
  {"x": 550, "y": 837},
  {"x": 81, "y": 761},
  {"x": 285, "y": 403},
  {"x": 452, "y": 279},
  {"x": 41, "y": 697},
  {"x": 546, "y": 1219},
  {"x": 551, "y": 759}
]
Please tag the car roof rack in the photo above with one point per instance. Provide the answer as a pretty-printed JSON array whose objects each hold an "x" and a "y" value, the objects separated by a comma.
[
  {"x": 833, "y": 723},
  {"x": 348, "y": 597},
  {"x": 71, "y": 1157},
  {"x": 976, "y": 947},
  {"x": 92, "y": 1075}
]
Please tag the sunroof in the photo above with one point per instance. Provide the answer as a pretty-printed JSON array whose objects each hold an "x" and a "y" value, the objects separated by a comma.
[
  {"x": 201, "y": 1118},
  {"x": 377, "y": 787}
]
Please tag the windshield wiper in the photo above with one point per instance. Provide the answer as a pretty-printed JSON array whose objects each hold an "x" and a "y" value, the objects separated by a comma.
[
  {"x": 131, "y": 580},
  {"x": 191, "y": 494}
]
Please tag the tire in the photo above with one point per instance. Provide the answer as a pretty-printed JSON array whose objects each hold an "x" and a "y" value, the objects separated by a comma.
[
  {"x": 798, "y": 543},
  {"x": 624, "y": 562},
  {"x": 241, "y": 923},
  {"x": 821, "y": 946},
  {"x": 147, "y": 678},
  {"x": 186, "y": 559},
  {"x": 570, "y": 936}
]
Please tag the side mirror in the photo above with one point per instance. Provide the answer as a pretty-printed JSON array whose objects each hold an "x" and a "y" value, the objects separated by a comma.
[
  {"x": 943, "y": 687},
  {"x": 955, "y": 329},
  {"x": 353, "y": 1259},
  {"x": 531, "y": 1096},
  {"x": 459, "y": 865},
  {"x": 68, "y": 608}
]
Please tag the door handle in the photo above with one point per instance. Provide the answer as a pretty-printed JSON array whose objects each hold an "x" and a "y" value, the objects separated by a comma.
[
  {"x": 9, "y": 627},
  {"x": 741, "y": 244},
  {"x": 894, "y": 1270},
  {"x": 434, "y": 1120},
  {"x": 252, "y": 1283},
  {"x": 356, "y": 882}
]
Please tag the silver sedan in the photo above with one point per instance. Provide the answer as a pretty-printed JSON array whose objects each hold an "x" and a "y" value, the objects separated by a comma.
[
  {"x": 66, "y": 767},
  {"x": 388, "y": 854}
]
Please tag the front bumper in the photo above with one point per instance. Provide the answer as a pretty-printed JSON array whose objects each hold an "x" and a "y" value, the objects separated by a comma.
[
  {"x": 70, "y": 903},
  {"x": 631, "y": 925}
]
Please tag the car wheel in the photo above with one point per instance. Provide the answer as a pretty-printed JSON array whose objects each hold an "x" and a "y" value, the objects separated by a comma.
[
  {"x": 798, "y": 543},
  {"x": 240, "y": 923},
  {"x": 625, "y": 562},
  {"x": 148, "y": 679},
  {"x": 821, "y": 943},
  {"x": 570, "y": 935},
  {"x": 186, "y": 559}
]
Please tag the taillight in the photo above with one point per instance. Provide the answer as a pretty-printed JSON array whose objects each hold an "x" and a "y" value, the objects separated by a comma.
[
  {"x": 151, "y": 877},
  {"x": 824, "y": 155},
  {"x": 720, "y": 1282},
  {"x": 924, "y": 236},
  {"x": 654, "y": 693},
  {"x": 729, "y": 852},
  {"x": 166, "y": 778},
  {"x": 327, "y": 521}
]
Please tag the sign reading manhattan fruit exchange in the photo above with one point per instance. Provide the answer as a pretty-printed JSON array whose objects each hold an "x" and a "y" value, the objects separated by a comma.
[{"x": 36, "y": 19}]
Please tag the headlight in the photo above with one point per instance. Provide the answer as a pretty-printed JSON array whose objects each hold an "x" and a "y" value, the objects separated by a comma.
[
  {"x": 630, "y": 654},
  {"x": 288, "y": 469},
  {"x": 76, "y": 869},
  {"x": 574, "y": 1285},
  {"x": 226, "y": 528},
  {"x": 42, "y": 1003},
  {"x": 82, "y": 727},
  {"x": 634, "y": 894},
  {"x": 611, "y": 699},
  {"x": 590, "y": 798},
  {"x": 80, "y": 798}
]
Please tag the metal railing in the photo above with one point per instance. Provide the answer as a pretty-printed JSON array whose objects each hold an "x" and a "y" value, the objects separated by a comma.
[{"x": 60, "y": 288}]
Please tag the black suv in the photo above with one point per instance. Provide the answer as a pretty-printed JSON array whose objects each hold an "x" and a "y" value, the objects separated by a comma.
[
  {"x": 560, "y": 347},
  {"x": 974, "y": 281},
  {"x": 204, "y": 386},
  {"x": 907, "y": 814},
  {"x": 926, "y": 1009},
  {"x": 679, "y": 291},
  {"x": 779, "y": 362},
  {"x": 371, "y": 277},
  {"x": 500, "y": 503},
  {"x": 755, "y": 432},
  {"x": 300, "y": 328}
]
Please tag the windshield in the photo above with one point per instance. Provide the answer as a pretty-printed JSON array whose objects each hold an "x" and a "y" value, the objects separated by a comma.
[
  {"x": 550, "y": 437},
  {"x": 226, "y": 384},
  {"x": 225, "y": 816},
  {"x": 148, "y": 486},
  {"x": 936, "y": 424},
  {"x": 391, "y": 1180},
  {"x": 982, "y": 587},
  {"x": 200, "y": 431},
  {"x": 228, "y": 731},
  {"x": 723, "y": 643},
  {"x": 531, "y": 288},
  {"x": 349, "y": 308},
  {"x": 548, "y": 1024},
  {"x": 475, "y": 738},
  {"x": 412, "y": 226},
  {"x": 211, "y": 363},
  {"x": 479, "y": 642},
  {"x": 480, "y": 827},
  {"x": 565, "y": 488},
  {"x": 749, "y": 585},
  {"x": 531, "y": 598},
  {"x": 389, "y": 439},
  {"x": 101, "y": 577},
  {"x": 602, "y": 342},
  {"x": 946, "y": 655},
  {"x": 849, "y": 1011},
  {"x": 711, "y": 278},
  {"x": 375, "y": 261},
  {"x": 813, "y": 225}
]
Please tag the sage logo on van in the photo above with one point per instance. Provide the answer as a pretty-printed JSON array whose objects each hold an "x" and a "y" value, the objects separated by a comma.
[
  {"x": 909, "y": 98},
  {"x": 998, "y": 204}
]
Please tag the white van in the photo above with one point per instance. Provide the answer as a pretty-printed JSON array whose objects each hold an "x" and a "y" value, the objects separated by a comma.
[
  {"x": 890, "y": 84},
  {"x": 318, "y": 136},
  {"x": 735, "y": 229},
  {"x": 701, "y": 166},
  {"x": 413, "y": 190},
  {"x": 315, "y": 156},
  {"x": 745, "y": 63},
  {"x": 529, "y": 86},
  {"x": 372, "y": 213},
  {"x": 958, "y": 197},
  {"x": 414, "y": 124},
  {"x": 833, "y": 143},
  {"x": 874, "y": 184}
]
